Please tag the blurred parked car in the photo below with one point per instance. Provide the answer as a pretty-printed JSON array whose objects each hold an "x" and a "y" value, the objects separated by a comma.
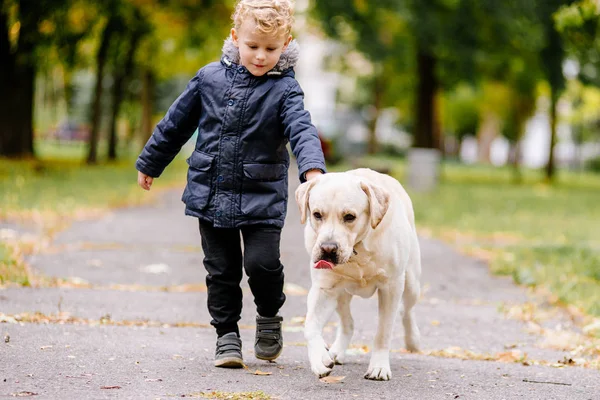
[{"x": 71, "y": 131}]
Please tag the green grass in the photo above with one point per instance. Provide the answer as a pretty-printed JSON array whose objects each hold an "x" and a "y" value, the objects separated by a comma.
[
  {"x": 540, "y": 234},
  {"x": 59, "y": 183},
  {"x": 11, "y": 267},
  {"x": 58, "y": 188}
]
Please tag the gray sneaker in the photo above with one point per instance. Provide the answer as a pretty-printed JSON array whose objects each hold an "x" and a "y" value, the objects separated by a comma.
[
  {"x": 269, "y": 340},
  {"x": 228, "y": 353}
]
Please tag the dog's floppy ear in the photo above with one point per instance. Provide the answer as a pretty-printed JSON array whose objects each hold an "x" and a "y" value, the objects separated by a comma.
[
  {"x": 379, "y": 201},
  {"x": 302, "y": 197}
]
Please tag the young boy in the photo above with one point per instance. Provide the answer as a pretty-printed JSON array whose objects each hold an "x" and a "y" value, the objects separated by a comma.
[{"x": 246, "y": 108}]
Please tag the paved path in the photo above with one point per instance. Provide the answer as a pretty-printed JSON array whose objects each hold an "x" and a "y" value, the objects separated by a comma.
[{"x": 134, "y": 324}]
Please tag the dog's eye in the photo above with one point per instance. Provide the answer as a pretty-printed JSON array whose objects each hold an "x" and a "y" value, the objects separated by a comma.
[
  {"x": 317, "y": 215},
  {"x": 349, "y": 218}
]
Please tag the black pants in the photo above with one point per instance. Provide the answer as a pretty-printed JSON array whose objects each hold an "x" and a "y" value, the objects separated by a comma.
[{"x": 223, "y": 261}]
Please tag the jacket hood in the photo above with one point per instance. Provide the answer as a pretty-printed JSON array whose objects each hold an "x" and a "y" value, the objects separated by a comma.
[{"x": 288, "y": 59}]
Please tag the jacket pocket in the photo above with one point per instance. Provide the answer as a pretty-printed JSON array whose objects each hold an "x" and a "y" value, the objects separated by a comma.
[
  {"x": 264, "y": 191},
  {"x": 199, "y": 180}
]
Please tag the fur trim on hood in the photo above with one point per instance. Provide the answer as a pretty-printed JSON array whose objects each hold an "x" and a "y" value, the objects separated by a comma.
[{"x": 288, "y": 58}]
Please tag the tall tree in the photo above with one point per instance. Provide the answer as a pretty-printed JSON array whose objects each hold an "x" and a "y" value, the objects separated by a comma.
[
  {"x": 123, "y": 65},
  {"x": 17, "y": 83},
  {"x": 21, "y": 20},
  {"x": 114, "y": 24},
  {"x": 28, "y": 30},
  {"x": 552, "y": 56}
]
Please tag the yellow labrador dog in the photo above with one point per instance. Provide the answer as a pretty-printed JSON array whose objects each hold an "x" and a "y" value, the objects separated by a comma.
[{"x": 361, "y": 238}]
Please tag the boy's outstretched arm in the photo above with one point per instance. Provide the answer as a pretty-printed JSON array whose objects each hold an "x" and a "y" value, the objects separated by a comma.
[
  {"x": 172, "y": 132},
  {"x": 302, "y": 134}
]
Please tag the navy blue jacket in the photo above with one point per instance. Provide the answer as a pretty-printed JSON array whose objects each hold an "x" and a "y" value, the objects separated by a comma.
[{"x": 238, "y": 172}]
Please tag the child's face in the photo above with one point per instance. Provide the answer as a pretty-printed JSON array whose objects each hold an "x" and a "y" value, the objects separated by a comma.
[{"x": 259, "y": 52}]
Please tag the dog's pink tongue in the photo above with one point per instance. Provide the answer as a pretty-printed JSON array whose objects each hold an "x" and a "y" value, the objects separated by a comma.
[{"x": 322, "y": 264}]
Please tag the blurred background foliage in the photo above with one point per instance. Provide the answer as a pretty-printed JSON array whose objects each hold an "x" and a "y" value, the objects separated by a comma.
[{"x": 104, "y": 73}]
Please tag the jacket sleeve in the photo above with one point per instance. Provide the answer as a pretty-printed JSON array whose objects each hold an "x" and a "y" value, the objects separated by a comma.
[
  {"x": 173, "y": 131},
  {"x": 301, "y": 133}
]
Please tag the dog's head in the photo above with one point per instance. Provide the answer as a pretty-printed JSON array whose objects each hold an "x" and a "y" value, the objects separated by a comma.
[{"x": 342, "y": 209}]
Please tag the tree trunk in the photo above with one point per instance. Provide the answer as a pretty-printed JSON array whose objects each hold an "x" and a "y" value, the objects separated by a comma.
[
  {"x": 516, "y": 161},
  {"x": 97, "y": 102},
  {"x": 68, "y": 88},
  {"x": 121, "y": 78},
  {"x": 438, "y": 135},
  {"x": 550, "y": 166},
  {"x": 489, "y": 129},
  {"x": 17, "y": 74},
  {"x": 148, "y": 85},
  {"x": 426, "y": 129},
  {"x": 6, "y": 68}
]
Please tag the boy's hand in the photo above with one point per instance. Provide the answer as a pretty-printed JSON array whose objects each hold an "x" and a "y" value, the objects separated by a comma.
[
  {"x": 313, "y": 173},
  {"x": 144, "y": 180}
]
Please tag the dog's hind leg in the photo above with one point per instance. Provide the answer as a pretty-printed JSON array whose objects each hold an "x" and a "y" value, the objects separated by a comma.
[
  {"x": 345, "y": 329},
  {"x": 412, "y": 290}
]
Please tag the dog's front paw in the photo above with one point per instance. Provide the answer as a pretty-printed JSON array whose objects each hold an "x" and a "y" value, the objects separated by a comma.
[
  {"x": 379, "y": 373},
  {"x": 321, "y": 362},
  {"x": 338, "y": 355}
]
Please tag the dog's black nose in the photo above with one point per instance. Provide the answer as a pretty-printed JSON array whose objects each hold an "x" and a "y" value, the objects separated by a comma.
[{"x": 329, "y": 247}]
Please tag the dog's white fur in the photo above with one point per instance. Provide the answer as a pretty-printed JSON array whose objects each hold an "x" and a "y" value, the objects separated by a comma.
[{"x": 377, "y": 251}]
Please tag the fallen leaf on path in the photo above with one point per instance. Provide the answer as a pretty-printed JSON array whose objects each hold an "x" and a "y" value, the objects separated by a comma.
[
  {"x": 7, "y": 319},
  {"x": 24, "y": 394},
  {"x": 259, "y": 372},
  {"x": 435, "y": 322},
  {"x": 510, "y": 356},
  {"x": 358, "y": 350},
  {"x": 567, "y": 361},
  {"x": 332, "y": 379}
]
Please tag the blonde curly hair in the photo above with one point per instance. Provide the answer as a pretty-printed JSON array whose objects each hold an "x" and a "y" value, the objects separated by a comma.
[{"x": 271, "y": 16}]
